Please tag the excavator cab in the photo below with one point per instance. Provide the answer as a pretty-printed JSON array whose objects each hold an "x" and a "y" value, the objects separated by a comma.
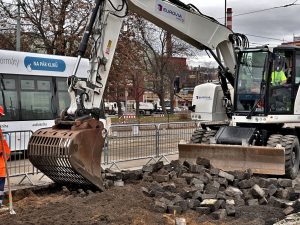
[
  {"x": 265, "y": 83},
  {"x": 251, "y": 81}
]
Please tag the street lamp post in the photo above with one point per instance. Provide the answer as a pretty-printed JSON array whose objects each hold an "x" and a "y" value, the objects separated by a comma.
[
  {"x": 126, "y": 96},
  {"x": 18, "y": 34}
]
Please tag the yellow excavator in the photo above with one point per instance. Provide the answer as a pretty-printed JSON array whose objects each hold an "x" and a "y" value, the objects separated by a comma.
[{"x": 70, "y": 152}]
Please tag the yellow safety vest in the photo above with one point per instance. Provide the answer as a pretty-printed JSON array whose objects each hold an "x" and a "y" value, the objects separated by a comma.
[{"x": 278, "y": 77}]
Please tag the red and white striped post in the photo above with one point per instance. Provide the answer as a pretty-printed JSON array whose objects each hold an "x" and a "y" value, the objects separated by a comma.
[{"x": 229, "y": 18}]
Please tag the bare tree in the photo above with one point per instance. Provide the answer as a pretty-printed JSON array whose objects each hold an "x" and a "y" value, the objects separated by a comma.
[
  {"x": 137, "y": 79},
  {"x": 7, "y": 40},
  {"x": 176, "y": 67},
  {"x": 7, "y": 32},
  {"x": 116, "y": 83},
  {"x": 54, "y": 26},
  {"x": 126, "y": 71},
  {"x": 157, "y": 57}
]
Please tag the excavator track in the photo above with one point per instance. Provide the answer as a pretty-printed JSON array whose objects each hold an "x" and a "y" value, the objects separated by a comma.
[{"x": 69, "y": 155}]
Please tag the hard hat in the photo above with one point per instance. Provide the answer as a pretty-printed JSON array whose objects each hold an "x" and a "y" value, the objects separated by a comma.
[{"x": 2, "y": 111}]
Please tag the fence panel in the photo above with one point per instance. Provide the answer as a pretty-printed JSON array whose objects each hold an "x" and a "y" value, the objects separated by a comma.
[
  {"x": 130, "y": 142},
  {"x": 170, "y": 134},
  {"x": 124, "y": 143},
  {"x": 18, "y": 164}
]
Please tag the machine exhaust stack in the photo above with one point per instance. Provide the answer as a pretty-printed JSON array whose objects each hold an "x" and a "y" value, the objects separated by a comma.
[{"x": 229, "y": 18}]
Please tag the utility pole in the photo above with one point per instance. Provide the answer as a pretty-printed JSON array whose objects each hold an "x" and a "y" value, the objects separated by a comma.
[
  {"x": 225, "y": 12},
  {"x": 18, "y": 34}
]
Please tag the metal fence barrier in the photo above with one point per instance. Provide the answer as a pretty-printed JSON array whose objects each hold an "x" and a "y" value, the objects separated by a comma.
[
  {"x": 126, "y": 142},
  {"x": 18, "y": 164},
  {"x": 145, "y": 141},
  {"x": 130, "y": 142},
  {"x": 169, "y": 135}
]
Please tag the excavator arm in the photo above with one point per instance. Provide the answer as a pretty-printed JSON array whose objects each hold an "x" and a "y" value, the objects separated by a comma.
[
  {"x": 102, "y": 32},
  {"x": 70, "y": 151}
]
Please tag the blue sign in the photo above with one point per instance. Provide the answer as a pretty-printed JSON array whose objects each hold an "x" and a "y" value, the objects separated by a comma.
[{"x": 44, "y": 64}]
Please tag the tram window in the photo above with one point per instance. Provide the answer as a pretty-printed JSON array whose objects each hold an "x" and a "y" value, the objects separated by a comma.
[
  {"x": 27, "y": 84},
  {"x": 63, "y": 101},
  {"x": 10, "y": 104},
  {"x": 9, "y": 84},
  {"x": 63, "y": 95},
  {"x": 36, "y": 97},
  {"x": 9, "y": 99},
  {"x": 62, "y": 85},
  {"x": 43, "y": 85}
]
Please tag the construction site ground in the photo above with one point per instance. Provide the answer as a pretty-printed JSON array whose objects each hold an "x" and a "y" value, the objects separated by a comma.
[
  {"x": 119, "y": 205},
  {"x": 126, "y": 205}
]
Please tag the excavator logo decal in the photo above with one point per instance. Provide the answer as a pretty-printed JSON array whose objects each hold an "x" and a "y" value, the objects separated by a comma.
[
  {"x": 170, "y": 12},
  {"x": 204, "y": 97},
  {"x": 160, "y": 7}
]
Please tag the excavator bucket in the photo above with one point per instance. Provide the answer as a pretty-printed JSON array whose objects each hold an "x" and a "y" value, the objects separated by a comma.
[
  {"x": 69, "y": 155},
  {"x": 261, "y": 160}
]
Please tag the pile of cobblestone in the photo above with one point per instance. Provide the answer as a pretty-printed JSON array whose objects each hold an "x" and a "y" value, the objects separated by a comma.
[{"x": 178, "y": 187}]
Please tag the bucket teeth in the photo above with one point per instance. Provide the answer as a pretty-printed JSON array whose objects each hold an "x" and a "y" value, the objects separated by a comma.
[{"x": 68, "y": 157}]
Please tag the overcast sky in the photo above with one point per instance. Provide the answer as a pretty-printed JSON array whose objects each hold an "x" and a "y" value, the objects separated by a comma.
[{"x": 276, "y": 25}]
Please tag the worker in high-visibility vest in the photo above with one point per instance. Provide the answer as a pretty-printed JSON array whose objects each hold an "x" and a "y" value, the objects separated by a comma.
[
  {"x": 3, "y": 147},
  {"x": 278, "y": 76}
]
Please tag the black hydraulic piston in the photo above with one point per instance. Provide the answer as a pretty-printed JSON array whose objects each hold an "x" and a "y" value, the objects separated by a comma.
[{"x": 89, "y": 28}]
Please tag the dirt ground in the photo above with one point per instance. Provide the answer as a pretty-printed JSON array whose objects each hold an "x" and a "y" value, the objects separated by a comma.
[{"x": 116, "y": 206}]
